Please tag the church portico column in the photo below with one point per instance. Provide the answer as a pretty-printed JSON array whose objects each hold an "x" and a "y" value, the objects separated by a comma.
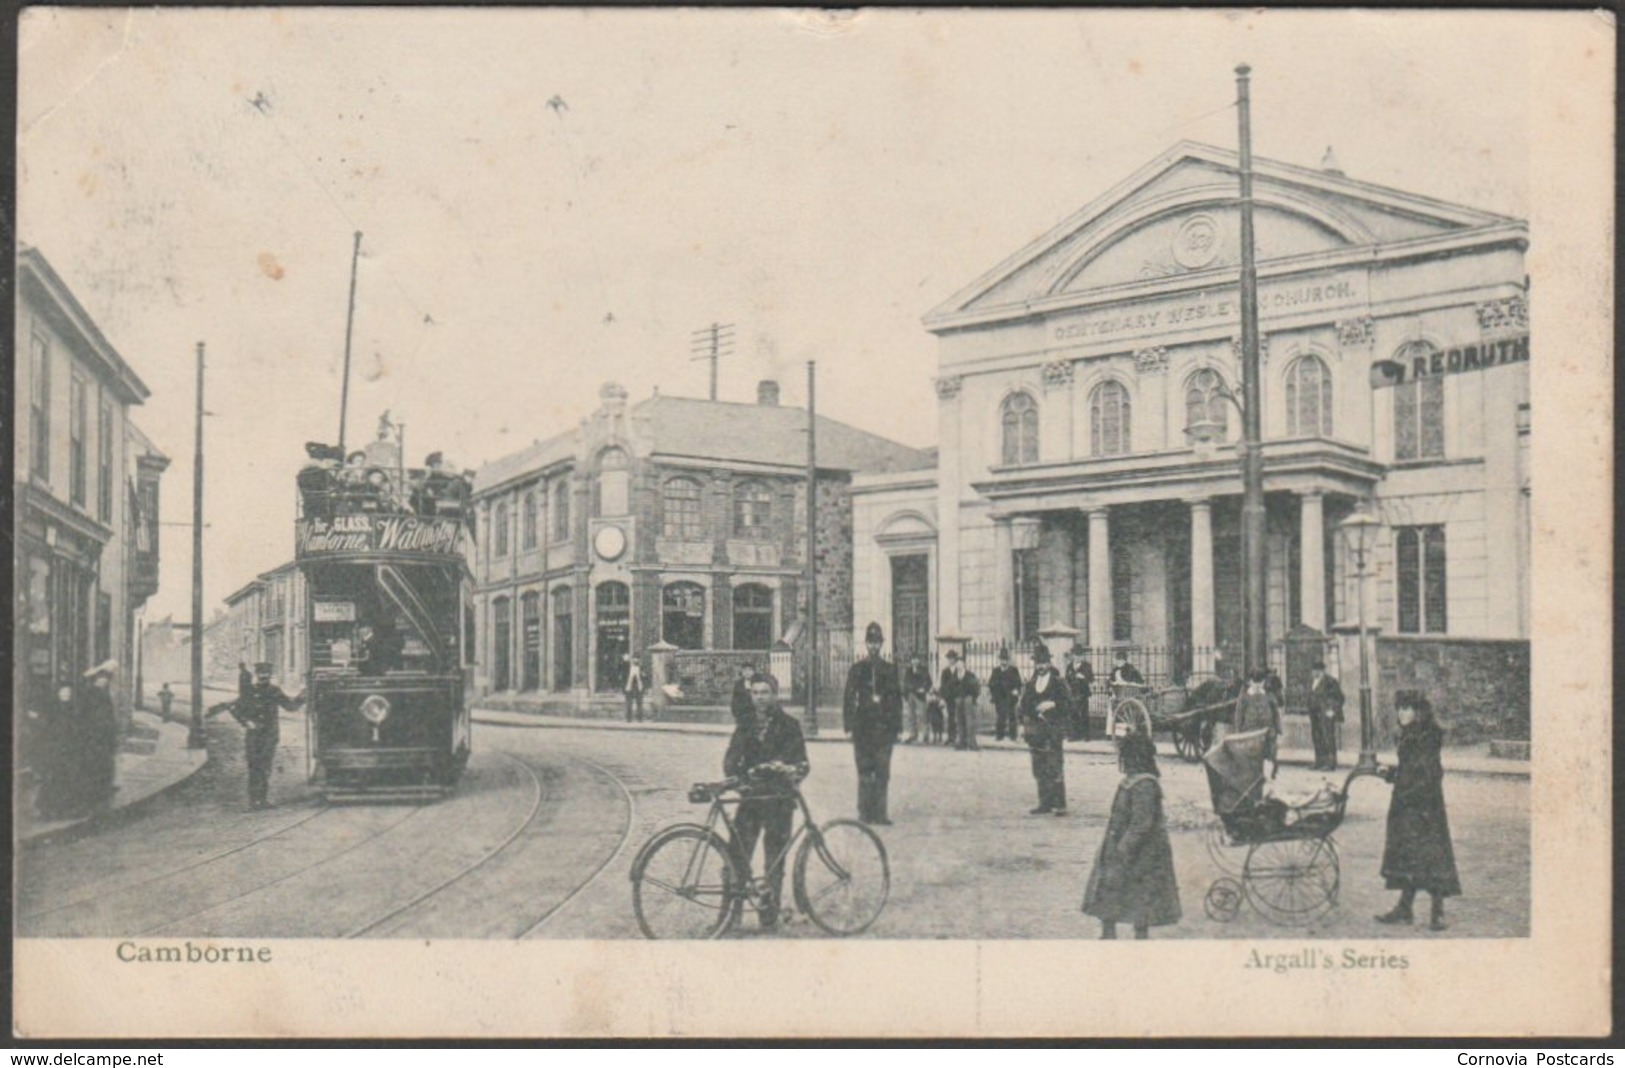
[
  {"x": 1202, "y": 626},
  {"x": 1004, "y": 577},
  {"x": 1100, "y": 579},
  {"x": 1312, "y": 559}
]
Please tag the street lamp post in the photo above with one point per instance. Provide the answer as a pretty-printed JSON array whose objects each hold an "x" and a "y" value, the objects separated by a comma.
[{"x": 1360, "y": 533}]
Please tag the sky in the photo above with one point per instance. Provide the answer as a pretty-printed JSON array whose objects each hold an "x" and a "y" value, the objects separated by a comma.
[{"x": 553, "y": 199}]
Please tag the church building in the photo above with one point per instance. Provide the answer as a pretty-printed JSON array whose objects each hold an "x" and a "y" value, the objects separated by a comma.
[{"x": 1071, "y": 488}]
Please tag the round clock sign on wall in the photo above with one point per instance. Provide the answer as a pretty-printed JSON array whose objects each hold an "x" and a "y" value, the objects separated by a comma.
[{"x": 610, "y": 542}]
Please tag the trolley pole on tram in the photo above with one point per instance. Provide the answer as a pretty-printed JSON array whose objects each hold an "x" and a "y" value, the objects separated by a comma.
[
  {"x": 1252, "y": 471},
  {"x": 196, "y": 738},
  {"x": 812, "y": 549}
]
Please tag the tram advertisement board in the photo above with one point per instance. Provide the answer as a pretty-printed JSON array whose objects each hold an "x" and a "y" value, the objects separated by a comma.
[{"x": 429, "y": 536}]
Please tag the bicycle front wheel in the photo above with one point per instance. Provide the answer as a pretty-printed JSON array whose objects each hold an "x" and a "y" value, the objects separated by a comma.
[
  {"x": 842, "y": 878},
  {"x": 685, "y": 885}
]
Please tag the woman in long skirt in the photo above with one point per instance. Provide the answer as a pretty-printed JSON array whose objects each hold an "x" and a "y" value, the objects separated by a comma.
[
  {"x": 1133, "y": 877},
  {"x": 1418, "y": 855}
]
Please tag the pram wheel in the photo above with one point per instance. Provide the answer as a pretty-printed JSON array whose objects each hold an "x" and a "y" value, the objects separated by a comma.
[
  {"x": 1292, "y": 880},
  {"x": 1223, "y": 900}
]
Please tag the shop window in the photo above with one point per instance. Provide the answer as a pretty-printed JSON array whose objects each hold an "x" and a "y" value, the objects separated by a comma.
[
  {"x": 501, "y": 642},
  {"x": 1309, "y": 399},
  {"x": 614, "y": 483},
  {"x": 1019, "y": 429},
  {"x": 1421, "y": 568},
  {"x": 39, "y": 410},
  {"x": 1205, "y": 401},
  {"x": 527, "y": 521},
  {"x": 682, "y": 518},
  {"x": 1026, "y": 594},
  {"x": 753, "y": 617},
  {"x": 682, "y": 615},
  {"x": 499, "y": 529},
  {"x": 753, "y": 511},
  {"x": 104, "y": 462},
  {"x": 76, "y": 440},
  {"x": 1109, "y": 424},
  {"x": 561, "y": 510}
]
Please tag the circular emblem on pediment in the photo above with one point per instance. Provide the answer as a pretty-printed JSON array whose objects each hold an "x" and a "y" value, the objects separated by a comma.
[{"x": 1196, "y": 242}]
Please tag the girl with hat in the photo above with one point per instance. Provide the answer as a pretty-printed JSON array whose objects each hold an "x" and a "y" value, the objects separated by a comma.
[
  {"x": 1418, "y": 854},
  {"x": 1133, "y": 877}
]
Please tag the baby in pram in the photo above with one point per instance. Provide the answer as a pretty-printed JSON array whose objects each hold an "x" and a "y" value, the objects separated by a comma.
[{"x": 1249, "y": 805}]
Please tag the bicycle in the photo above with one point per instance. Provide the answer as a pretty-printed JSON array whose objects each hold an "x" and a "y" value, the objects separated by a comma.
[{"x": 689, "y": 881}]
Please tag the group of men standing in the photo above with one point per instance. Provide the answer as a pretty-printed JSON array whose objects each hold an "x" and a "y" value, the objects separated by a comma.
[{"x": 79, "y": 735}]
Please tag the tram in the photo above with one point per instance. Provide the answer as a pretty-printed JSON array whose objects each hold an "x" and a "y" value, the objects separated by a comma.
[{"x": 385, "y": 557}]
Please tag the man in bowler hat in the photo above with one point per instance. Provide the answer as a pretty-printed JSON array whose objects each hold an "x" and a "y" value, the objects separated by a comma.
[
  {"x": 1004, "y": 686},
  {"x": 1046, "y": 708},
  {"x": 1325, "y": 713},
  {"x": 872, "y": 715}
]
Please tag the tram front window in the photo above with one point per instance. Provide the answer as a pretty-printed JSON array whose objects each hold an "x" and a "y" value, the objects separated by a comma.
[{"x": 374, "y": 620}]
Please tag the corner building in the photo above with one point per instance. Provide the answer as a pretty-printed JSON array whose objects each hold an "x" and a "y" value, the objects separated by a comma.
[
  {"x": 673, "y": 520},
  {"x": 1069, "y": 488}
]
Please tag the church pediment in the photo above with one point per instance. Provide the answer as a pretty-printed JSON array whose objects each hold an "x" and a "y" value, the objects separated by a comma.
[{"x": 1179, "y": 217}]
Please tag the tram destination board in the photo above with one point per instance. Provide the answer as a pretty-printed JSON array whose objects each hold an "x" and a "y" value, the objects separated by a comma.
[{"x": 436, "y": 537}]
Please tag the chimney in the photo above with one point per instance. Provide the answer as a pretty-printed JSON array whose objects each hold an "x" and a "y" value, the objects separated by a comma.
[{"x": 767, "y": 393}]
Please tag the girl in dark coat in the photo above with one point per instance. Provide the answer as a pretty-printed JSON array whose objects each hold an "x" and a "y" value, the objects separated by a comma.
[
  {"x": 1418, "y": 855},
  {"x": 1133, "y": 877}
]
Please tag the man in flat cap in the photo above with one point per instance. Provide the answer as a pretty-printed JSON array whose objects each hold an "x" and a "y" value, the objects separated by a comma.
[
  {"x": 260, "y": 714},
  {"x": 872, "y": 715}
]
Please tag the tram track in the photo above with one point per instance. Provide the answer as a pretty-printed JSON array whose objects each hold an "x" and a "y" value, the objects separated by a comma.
[
  {"x": 620, "y": 847},
  {"x": 213, "y": 858},
  {"x": 537, "y": 796}
]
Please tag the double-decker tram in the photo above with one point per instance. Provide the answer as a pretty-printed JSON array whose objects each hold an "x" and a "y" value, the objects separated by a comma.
[{"x": 384, "y": 556}]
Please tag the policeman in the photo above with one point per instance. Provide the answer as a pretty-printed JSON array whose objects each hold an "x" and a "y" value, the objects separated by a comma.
[
  {"x": 872, "y": 715},
  {"x": 259, "y": 713},
  {"x": 1045, "y": 708}
]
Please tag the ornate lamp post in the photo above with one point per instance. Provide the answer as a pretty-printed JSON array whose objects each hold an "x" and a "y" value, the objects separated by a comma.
[{"x": 1360, "y": 535}]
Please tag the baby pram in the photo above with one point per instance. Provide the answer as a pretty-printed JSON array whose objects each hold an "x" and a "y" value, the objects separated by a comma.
[{"x": 1287, "y": 865}]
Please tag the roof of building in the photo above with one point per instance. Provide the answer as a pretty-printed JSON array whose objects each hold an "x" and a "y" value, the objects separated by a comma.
[
  {"x": 695, "y": 428},
  {"x": 63, "y": 308}
]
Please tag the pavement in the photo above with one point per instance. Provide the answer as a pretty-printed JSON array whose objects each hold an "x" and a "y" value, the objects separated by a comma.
[
  {"x": 1461, "y": 760},
  {"x": 153, "y": 759}
]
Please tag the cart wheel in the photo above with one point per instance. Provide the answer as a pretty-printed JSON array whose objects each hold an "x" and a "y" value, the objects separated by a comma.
[
  {"x": 1129, "y": 714},
  {"x": 1292, "y": 881},
  {"x": 1188, "y": 741},
  {"x": 1223, "y": 900}
]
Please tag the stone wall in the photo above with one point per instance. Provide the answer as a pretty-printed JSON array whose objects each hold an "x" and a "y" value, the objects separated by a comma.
[{"x": 1479, "y": 687}]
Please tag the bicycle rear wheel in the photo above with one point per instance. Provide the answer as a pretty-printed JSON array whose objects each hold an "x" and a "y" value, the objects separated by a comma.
[
  {"x": 685, "y": 885},
  {"x": 842, "y": 877}
]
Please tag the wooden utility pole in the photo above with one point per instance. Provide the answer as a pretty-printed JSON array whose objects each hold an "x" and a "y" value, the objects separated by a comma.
[
  {"x": 712, "y": 343},
  {"x": 349, "y": 329},
  {"x": 195, "y": 737},
  {"x": 812, "y": 549},
  {"x": 1252, "y": 470}
]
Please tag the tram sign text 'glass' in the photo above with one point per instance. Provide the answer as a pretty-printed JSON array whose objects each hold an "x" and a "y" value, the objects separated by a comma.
[{"x": 431, "y": 536}]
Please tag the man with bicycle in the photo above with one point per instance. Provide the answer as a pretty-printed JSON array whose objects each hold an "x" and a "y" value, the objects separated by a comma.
[{"x": 768, "y": 754}]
